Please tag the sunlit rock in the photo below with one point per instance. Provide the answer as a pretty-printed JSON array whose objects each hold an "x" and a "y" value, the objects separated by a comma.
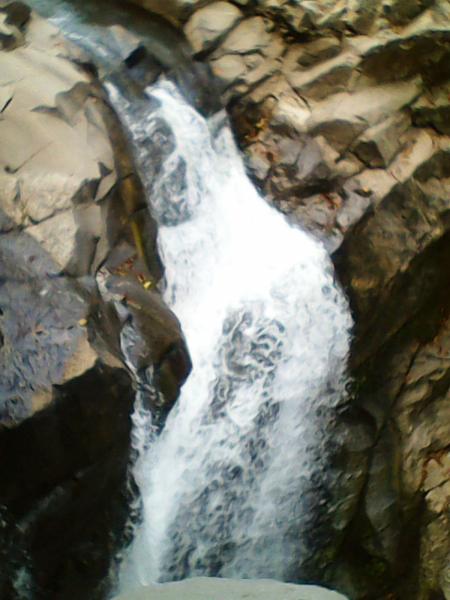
[{"x": 228, "y": 589}]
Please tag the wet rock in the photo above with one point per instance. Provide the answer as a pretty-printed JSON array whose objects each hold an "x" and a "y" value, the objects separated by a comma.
[
  {"x": 68, "y": 196},
  {"x": 342, "y": 110}
]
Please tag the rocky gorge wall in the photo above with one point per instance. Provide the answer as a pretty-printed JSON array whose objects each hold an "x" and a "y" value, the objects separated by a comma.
[
  {"x": 74, "y": 266},
  {"x": 343, "y": 112}
]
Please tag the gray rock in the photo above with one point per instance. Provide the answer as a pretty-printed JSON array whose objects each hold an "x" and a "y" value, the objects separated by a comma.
[
  {"x": 204, "y": 588},
  {"x": 68, "y": 193},
  {"x": 378, "y": 145}
]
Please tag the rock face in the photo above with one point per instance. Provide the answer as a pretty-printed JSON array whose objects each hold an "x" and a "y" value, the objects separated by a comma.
[
  {"x": 204, "y": 588},
  {"x": 342, "y": 109},
  {"x": 76, "y": 266}
]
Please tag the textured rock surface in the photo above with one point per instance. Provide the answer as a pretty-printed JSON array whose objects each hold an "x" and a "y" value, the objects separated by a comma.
[
  {"x": 68, "y": 196},
  {"x": 205, "y": 588},
  {"x": 342, "y": 109}
]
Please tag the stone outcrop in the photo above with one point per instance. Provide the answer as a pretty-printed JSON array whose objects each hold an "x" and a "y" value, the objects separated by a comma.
[
  {"x": 342, "y": 110},
  {"x": 231, "y": 589},
  {"x": 78, "y": 262}
]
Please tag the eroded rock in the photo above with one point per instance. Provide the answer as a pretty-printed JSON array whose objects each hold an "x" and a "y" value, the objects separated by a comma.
[{"x": 68, "y": 196}]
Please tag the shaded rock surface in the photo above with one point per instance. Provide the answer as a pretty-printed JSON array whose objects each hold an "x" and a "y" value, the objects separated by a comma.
[
  {"x": 77, "y": 259},
  {"x": 205, "y": 588}
]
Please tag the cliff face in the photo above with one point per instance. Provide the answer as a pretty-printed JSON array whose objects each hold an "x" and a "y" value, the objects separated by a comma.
[
  {"x": 69, "y": 202},
  {"x": 342, "y": 109}
]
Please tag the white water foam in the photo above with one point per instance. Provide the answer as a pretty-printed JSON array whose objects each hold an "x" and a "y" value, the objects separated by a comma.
[{"x": 268, "y": 333}]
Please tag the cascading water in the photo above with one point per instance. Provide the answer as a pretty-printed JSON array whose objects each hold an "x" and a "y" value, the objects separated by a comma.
[{"x": 268, "y": 332}]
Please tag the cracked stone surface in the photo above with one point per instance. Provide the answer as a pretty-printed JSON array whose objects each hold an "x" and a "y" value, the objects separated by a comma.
[
  {"x": 66, "y": 394},
  {"x": 342, "y": 111}
]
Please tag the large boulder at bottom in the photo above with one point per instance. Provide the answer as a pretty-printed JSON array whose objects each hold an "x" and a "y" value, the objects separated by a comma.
[{"x": 213, "y": 588}]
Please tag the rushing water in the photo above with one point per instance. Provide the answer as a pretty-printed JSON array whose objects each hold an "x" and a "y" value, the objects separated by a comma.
[
  {"x": 267, "y": 329},
  {"x": 226, "y": 487}
]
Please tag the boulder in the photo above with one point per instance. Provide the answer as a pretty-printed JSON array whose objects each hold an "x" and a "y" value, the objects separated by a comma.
[{"x": 228, "y": 589}]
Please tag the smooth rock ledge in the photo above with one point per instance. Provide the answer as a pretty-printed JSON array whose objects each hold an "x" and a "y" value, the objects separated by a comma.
[{"x": 212, "y": 588}]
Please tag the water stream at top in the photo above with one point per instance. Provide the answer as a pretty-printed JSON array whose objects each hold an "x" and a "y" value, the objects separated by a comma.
[{"x": 268, "y": 332}]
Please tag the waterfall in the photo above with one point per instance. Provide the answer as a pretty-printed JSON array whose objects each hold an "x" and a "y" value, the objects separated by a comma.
[{"x": 268, "y": 333}]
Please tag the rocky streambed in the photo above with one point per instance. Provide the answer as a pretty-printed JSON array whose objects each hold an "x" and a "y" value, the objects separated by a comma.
[{"x": 342, "y": 110}]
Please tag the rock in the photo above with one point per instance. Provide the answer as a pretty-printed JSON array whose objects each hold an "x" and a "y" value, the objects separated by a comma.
[
  {"x": 250, "y": 36},
  {"x": 362, "y": 15},
  {"x": 343, "y": 116},
  {"x": 177, "y": 11},
  {"x": 127, "y": 42},
  {"x": 208, "y": 24},
  {"x": 230, "y": 68},
  {"x": 17, "y": 14},
  {"x": 310, "y": 54},
  {"x": 324, "y": 79},
  {"x": 68, "y": 194},
  {"x": 321, "y": 95},
  {"x": 229, "y": 589},
  {"x": 403, "y": 11},
  {"x": 378, "y": 145},
  {"x": 433, "y": 110}
]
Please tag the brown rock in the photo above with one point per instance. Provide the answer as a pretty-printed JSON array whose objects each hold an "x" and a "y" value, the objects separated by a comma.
[
  {"x": 378, "y": 145},
  {"x": 433, "y": 110},
  {"x": 209, "y": 24}
]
